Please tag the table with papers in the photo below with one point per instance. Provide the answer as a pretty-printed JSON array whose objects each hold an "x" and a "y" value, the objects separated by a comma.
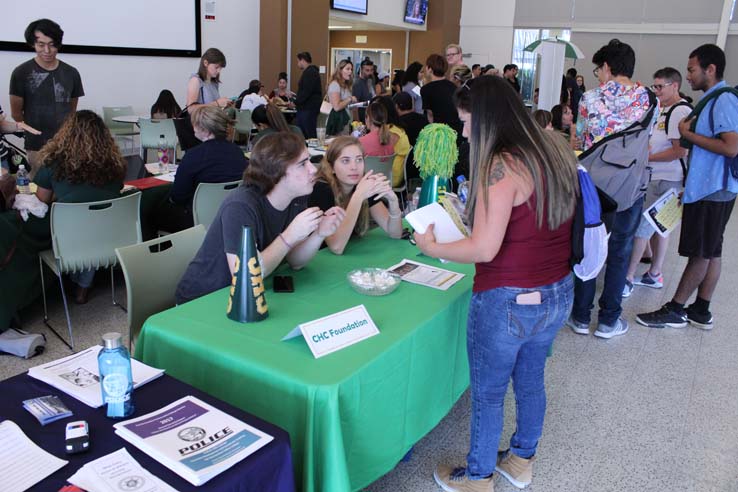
[
  {"x": 354, "y": 413},
  {"x": 269, "y": 468}
]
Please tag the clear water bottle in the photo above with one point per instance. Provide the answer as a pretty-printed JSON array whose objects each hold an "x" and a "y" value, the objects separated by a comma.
[
  {"x": 23, "y": 181},
  {"x": 116, "y": 379},
  {"x": 415, "y": 199},
  {"x": 463, "y": 190},
  {"x": 163, "y": 154}
]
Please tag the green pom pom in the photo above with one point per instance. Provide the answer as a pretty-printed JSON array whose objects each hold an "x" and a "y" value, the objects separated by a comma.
[{"x": 435, "y": 151}]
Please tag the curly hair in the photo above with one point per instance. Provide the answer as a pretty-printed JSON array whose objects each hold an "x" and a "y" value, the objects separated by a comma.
[{"x": 83, "y": 151}]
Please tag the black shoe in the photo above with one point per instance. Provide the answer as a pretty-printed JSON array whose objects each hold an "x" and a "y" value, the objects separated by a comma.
[
  {"x": 664, "y": 317},
  {"x": 700, "y": 320}
]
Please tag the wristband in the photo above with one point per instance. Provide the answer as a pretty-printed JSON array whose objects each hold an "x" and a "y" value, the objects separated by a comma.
[{"x": 289, "y": 246}]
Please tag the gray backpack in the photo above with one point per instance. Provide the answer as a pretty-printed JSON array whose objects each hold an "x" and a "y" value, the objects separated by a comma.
[{"x": 618, "y": 164}]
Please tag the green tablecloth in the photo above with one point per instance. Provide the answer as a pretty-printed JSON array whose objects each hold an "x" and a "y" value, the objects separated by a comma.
[{"x": 353, "y": 414}]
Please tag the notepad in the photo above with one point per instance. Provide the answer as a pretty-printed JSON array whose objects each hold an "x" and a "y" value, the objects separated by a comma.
[{"x": 22, "y": 463}]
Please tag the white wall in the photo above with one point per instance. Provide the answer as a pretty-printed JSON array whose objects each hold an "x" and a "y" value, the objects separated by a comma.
[
  {"x": 387, "y": 12},
  {"x": 487, "y": 31},
  {"x": 136, "y": 81}
]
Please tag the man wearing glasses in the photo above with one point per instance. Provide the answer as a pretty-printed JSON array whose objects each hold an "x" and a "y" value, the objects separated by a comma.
[
  {"x": 454, "y": 56},
  {"x": 43, "y": 90}
]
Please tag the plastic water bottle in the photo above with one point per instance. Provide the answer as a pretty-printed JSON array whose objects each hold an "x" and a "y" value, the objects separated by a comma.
[
  {"x": 163, "y": 155},
  {"x": 463, "y": 190},
  {"x": 416, "y": 198},
  {"x": 116, "y": 379},
  {"x": 22, "y": 181}
]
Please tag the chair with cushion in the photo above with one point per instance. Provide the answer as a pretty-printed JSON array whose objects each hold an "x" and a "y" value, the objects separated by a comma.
[
  {"x": 207, "y": 200},
  {"x": 152, "y": 271},
  {"x": 151, "y": 130},
  {"x": 379, "y": 164},
  {"x": 85, "y": 235}
]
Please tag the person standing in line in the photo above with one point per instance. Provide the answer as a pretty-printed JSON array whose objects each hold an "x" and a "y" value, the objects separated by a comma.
[
  {"x": 476, "y": 70},
  {"x": 666, "y": 158},
  {"x": 339, "y": 95},
  {"x": 363, "y": 89},
  {"x": 510, "y": 72},
  {"x": 43, "y": 90},
  {"x": 454, "y": 55},
  {"x": 709, "y": 193},
  {"x": 410, "y": 81},
  {"x": 613, "y": 106},
  {"x": 521, "y": 206},
  {"x": 309, "y": 95}
]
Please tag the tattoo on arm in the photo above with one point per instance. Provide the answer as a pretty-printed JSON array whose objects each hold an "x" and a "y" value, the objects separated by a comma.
[{"x": 497, "y": 172}]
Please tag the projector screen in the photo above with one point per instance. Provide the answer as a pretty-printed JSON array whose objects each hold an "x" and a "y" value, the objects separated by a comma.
[{"x": 133, "y": 27}]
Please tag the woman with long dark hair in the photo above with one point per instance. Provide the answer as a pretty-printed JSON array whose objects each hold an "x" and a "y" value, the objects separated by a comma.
[
  {"x": 410, "y": 80},
  {"x": 521, "y": 204},
  {"x": 165, "y": 107}
]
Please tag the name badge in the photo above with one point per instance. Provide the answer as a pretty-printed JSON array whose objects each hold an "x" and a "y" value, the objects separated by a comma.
[{"x": 336, "y": 331}]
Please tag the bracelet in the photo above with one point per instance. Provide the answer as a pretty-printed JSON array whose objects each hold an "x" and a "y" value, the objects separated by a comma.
[
  {"x": 399, "y": 214},
  {"x": 289, "y": 246}
]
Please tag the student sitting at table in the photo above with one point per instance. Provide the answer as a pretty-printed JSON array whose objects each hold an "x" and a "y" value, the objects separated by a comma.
[
  {"x": 215, "y": 160},
  {"x": 82, "y": 163},
  {"x": 282, "y": 95},
  {"x": 341, "y": 182},
  {"x": 269, "y": 119},
  {"x": 165, "y": 107},
  {"x": 273, "y": 202}
]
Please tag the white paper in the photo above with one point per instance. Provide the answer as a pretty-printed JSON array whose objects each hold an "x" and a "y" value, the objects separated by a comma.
[
  {"x": 22, "y": 463},
  {"x": 444, "y": 228},
  {"x": 115, "y": 472},
  {"x": 155, "y": 169},
  {"x": 416, "y": 90},
  {"x": 429, "y": 276},
  {"x": 193, "y": 439},
  {"x": 336, "y": 331},
  {"x": 78, "y": 375},
  {"x": 168, "y": 177},
  {"x": 665, "y": 213}
]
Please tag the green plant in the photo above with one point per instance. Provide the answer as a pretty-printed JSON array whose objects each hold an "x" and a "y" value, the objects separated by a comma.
[{"x": 436, "y": 153}]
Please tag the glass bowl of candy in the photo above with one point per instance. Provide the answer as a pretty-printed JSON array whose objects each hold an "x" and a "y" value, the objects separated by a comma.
[{"x": 373, "y": 281}]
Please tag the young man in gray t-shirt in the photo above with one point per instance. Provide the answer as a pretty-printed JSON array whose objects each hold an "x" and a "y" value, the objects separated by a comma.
[{"x": 43, "y": 90}]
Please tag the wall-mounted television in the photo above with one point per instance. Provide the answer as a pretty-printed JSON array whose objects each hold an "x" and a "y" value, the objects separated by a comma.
[
  {"x": 355, "y": 6},
  {"x": 416, "y": 11}
]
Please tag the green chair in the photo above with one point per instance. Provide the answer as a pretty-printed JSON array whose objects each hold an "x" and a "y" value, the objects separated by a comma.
[
  {"x": 243, "y": 124},
  {"x": 84, "y": 236},
  {"x": 207, "y": 200},
  {"x": 151, "y": 130},
  {"x": 152, "y": 271},
  {"x": 379, "y": 164},
  {"x": 116, "y": 127},
  {"x": 403, "y": 187}
]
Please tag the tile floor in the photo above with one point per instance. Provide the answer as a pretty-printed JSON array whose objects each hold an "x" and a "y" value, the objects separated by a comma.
[{"x": 654, "y": 410}]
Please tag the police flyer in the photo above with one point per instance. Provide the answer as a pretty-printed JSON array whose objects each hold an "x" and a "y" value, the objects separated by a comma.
[{"x": 193, "y": 439}]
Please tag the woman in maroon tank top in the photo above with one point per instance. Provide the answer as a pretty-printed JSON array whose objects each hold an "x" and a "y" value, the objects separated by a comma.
[{"x": 523, "y": 194}]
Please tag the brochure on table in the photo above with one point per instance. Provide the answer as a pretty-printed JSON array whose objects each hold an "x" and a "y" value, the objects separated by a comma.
[
  {"x": 193, "y": 439},
  {"x": 22, "y": 463},
  {"x": 78, "y": 375},
  {"x": 665, "y": 213},
  {"x": 117, "y": 472},
  {"x": 422, "y": 274},
  {"x": 336, "y": 331}
]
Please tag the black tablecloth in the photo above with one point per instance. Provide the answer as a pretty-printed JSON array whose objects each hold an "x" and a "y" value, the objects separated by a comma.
[{"x": 269, "y": 469}]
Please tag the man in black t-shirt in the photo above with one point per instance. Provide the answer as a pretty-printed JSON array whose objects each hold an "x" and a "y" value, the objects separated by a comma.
[
  {"x": 412, "y": 123},
  {"x": 510, "y": 72},
  {"x": 438, "y": 94},
  {"x": 43, "y": 90},
  {"x": 309, "y": 95}
]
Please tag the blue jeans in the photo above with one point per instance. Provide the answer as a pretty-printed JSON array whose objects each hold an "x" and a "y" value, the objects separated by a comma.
[
  {"x": 619, "y": 247},
  {"x": 507, "y": 339},
  {"x": 83, "y": 278}
]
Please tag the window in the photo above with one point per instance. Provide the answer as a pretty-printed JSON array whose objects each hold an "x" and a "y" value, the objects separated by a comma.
[{"x": 527, "y": 61}]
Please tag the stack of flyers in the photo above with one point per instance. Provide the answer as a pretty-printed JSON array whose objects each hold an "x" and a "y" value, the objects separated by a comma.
[{"x": 47, "y": 409}]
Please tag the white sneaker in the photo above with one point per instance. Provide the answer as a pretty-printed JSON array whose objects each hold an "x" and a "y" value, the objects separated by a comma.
[
  {"x": 577, "y": 327},
  {"x": 619, "y": 328},
  {"x": 627, "y": 288}
]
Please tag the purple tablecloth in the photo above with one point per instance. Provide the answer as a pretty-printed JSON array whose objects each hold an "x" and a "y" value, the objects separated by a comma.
[{"x": 269, "y": 469}]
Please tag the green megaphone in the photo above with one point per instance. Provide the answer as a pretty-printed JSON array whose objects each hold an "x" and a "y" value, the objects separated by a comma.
[{"x": 247, "y": 301}]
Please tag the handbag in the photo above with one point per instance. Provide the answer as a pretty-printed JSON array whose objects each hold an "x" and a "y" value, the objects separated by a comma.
[
  {"x": 183, "y": 127},
  {"x": 326, "y": 107},
  {"x": 337, "y": 121}
]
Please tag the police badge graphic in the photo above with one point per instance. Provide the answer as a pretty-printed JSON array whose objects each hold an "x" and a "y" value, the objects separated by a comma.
[{"x": 191, "y": 434}]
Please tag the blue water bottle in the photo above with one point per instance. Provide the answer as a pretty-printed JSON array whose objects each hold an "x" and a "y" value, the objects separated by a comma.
[{"x": 116, "y": 379}]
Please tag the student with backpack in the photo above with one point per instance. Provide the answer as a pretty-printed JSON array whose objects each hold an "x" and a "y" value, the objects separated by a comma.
[
  {"x": 614, "y": 123},
  {"x": 668, "y": 170},
  {"x": 709, "y": 193}
]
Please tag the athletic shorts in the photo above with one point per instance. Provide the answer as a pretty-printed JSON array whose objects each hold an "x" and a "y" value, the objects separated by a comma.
[{"x": 703, "y": 226}]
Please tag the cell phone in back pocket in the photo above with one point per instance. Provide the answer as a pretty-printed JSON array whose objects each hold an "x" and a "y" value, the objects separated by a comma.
[
  {"x": 529, "y": 298},
  {"x": 283, "y": 283}
]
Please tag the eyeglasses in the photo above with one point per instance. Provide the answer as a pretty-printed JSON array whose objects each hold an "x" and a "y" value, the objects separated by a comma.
[
  {"x": 658, "y": 87},
  {"x": 449, "y": 55},
  {"x": 596, "y": 71}
]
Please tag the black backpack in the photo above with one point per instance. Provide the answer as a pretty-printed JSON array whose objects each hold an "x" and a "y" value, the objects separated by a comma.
[{"x": 666, "y": 127}]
